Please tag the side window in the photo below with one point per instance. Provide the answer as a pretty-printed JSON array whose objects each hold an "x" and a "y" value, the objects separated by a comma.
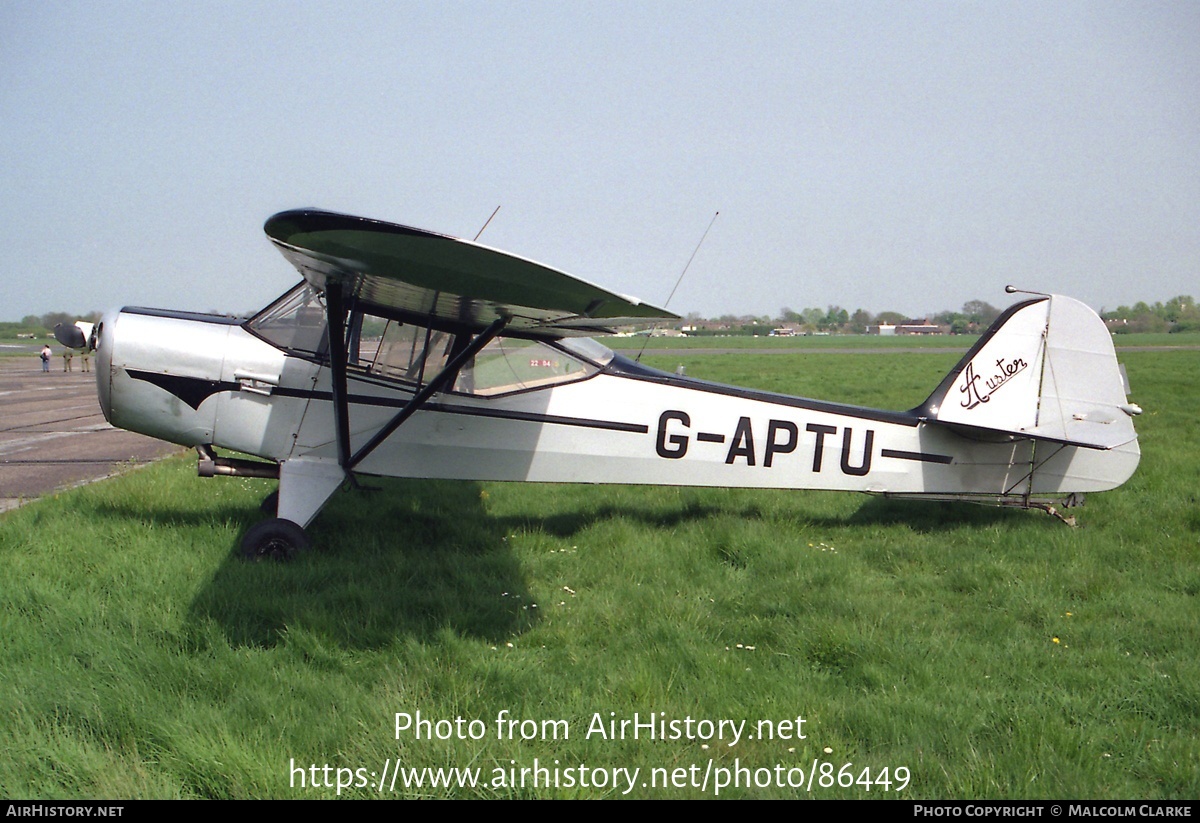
[
  {"x": 508, "y": 364},
  {"x": 394, "y": 350},
  {"x": 398, "y": 351}
]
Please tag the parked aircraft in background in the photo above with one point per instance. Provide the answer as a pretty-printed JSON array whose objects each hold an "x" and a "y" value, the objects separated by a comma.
[{"x": 75, "y": 336}]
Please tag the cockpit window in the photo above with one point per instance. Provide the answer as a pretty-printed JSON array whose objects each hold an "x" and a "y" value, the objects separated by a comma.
[
  {"x": 294, "y": 322},
  {"x": 588, "y": 349},
  {"x": 508, "y": 364},
  {"x": 391, "y": 349},
  {"x": 400, "y": 351}
]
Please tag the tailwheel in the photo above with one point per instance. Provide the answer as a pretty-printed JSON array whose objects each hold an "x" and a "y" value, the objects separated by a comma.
[{"x": 274, "y": 539}]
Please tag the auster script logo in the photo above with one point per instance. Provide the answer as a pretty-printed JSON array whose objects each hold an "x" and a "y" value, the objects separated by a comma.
[{"x": 976, "y": 393}]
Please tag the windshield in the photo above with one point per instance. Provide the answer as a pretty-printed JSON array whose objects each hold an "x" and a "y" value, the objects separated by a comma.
[{"x": 294, "y": 322}]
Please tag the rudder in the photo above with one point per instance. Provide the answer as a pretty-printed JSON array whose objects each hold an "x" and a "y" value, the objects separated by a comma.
[{"x": 1046, "y": 369}]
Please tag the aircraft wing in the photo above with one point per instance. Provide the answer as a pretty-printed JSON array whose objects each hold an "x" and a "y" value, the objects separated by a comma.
[{"x": 427, "y": 275}]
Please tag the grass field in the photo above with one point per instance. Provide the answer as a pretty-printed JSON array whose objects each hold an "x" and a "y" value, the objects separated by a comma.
[
  {"x": 963, "y": 651},
  {"x": 628, "y": 345}
]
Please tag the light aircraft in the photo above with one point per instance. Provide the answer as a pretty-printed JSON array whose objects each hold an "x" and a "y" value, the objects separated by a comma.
[
  {"x": 75, "y": 336},
  {"x": 412, "y": 354}
]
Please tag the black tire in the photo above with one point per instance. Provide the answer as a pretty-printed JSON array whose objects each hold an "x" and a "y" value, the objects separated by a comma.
[
  {"x": 270, "y": 504},
  {"x": 276, "y": 539}
]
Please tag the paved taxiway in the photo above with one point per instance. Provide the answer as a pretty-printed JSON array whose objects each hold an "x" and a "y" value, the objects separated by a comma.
[{"x": 53, "y": 434}]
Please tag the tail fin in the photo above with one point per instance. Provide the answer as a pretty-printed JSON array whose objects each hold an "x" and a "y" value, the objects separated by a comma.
[{"x": 1046, "y": 369}]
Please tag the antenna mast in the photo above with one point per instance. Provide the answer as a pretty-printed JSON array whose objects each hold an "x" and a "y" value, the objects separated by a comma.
[
  {"x": 485, "y": 225},
  {"x": 682, "y": 273}
]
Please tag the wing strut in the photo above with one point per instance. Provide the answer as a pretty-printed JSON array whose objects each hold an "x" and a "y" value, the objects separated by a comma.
[
  {"x": 421, "y": 397},
  {"x": 335, "y": 310}
]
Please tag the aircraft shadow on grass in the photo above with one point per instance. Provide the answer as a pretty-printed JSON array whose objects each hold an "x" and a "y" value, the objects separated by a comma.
[
  {"x": 421, "y": 558},
  {"x": 417, "y": 558},
  {"x": 930, "y": 517}
]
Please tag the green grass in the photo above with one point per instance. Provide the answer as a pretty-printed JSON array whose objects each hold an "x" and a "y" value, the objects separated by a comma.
[
  {"x": 1180, "y": 339},
  {"x": 141, "y": 658},
  {"x": 628, "y": 345}
]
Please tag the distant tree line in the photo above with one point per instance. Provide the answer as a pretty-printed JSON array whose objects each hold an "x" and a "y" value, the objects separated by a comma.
[
  {"x": 1179, "y": 314},
  {"x": 975, "y": 316}
]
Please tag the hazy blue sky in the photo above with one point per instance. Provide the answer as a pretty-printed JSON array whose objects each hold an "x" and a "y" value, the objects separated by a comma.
[{"x": 890, "y": 156}]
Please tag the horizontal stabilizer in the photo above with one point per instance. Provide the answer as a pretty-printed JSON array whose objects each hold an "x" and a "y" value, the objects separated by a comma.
[{"x": 1046, "y": 369}]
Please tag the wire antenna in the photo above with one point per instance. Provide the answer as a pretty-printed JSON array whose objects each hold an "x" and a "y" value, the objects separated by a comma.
[
  {"x": 693, "y": 257},
  {"x": 681, "y": 274},
  {"x": 485, "y": 225}
]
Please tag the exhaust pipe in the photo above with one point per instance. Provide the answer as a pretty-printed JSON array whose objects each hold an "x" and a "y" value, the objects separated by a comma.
[{"x": 210, "y": 465}]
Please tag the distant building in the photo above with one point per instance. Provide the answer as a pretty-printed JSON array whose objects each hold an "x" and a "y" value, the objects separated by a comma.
[
  {"x": 709, "y": 326},
  {"x": 914, "y": 327},
  {"x": 922, "y": 327}
]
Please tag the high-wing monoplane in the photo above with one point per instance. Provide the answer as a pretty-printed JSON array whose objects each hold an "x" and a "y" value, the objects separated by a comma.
[
  {"x": 77, "y": 335},
  {"x": 412, "y": 354}
]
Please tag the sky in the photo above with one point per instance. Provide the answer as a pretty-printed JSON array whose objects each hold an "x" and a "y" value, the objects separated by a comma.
[{"x": 898, "y": 156}]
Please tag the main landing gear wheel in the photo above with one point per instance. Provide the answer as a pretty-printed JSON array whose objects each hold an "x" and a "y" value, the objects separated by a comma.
[
  {"x": 275, "y": 539},
  {"x": 270, "y": 504}
]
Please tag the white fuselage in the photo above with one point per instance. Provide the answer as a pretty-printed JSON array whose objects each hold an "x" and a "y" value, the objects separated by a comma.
[{"x": 197, "y": 381}]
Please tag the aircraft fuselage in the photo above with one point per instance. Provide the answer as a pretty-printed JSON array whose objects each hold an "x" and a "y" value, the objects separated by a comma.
[{"x": 200, "y": 380}]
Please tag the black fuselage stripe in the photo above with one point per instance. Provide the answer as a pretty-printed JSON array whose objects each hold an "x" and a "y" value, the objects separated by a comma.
[
  {"x": 921, "y": 457},
  {"x": 532, "y": 417},
  {"x": 195, "y": 390},
  {"x": 191, "y": 390},
  {"x": 503, "y": 414}
]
